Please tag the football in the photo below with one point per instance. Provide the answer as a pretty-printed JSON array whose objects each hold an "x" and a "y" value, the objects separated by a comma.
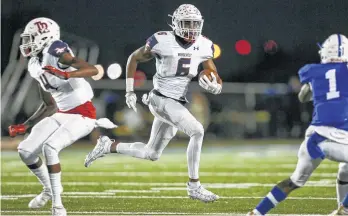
[{"x": 208, "y": 72}]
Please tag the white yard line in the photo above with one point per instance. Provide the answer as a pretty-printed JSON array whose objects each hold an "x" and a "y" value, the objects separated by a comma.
[
  {"x": 128, "y": 166},
  {"x": 146, "y": 213},
  {"x": 95, "y": 195},
  {"x": 133, "y": 191},
  {"x": 321, "y": 183},
  {"x": 89, "y": 193},
  {"x": 161, "y": 174}
]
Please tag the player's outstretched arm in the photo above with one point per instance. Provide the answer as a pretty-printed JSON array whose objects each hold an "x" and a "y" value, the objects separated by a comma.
[
  {"x": 305, "y": 94},
  {"x": 143, "y": 54},
  {"x": 83, "y": 68},
  {"x": 46, "y": 108}
]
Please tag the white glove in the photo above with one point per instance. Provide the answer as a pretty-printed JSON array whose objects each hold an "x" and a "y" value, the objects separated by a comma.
[
  {"x": 131, "y": 100},
  {"x": 145, "y": 99},
  {"x": 211, "y": 86}
]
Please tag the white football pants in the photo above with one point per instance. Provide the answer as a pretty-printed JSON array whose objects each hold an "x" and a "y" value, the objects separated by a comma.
[
  {"x": 170, "y": 116},
  {"x": 56, "y": 132},
  {"x": 335, "y": 148}
]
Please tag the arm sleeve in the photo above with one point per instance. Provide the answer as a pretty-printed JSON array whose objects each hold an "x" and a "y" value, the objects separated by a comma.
[
  {"x": 153, "y": 44},
  {"x": 208, "y": 49},
  {"x": 304, "y": 74}
]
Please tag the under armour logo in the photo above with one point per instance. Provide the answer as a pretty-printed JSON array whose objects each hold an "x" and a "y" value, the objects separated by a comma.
[
  {"x": 195, "y": 48},
  {"x": 43, "y": 27},
  {"x": 60, "y": 50}
]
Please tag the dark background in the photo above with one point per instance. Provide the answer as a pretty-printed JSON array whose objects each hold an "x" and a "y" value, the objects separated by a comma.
[{"x": 120, "y": 26}]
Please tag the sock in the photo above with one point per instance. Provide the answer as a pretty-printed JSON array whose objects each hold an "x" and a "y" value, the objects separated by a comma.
[
  {"x": 256, "y": 212},
  {"x": 136, "y": 149},
  {"x": 194, "y": 184},
  {"x": 342, "y": 191},
  {"x": 194, "y": 155},
  {"x": 271, "y": 200},
  {"x": 42, "y": 174},
  {"x": 56, "y": 186},
  {"x": 345, "y": 201}
]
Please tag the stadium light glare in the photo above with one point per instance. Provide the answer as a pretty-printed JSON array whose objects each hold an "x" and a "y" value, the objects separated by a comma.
[
  {"x": 114, "y": 71},
  {"x": 217, "y": 51}
]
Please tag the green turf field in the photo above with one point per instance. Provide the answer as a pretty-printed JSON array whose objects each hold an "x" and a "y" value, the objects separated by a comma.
[{"x": 117, "y": 185}]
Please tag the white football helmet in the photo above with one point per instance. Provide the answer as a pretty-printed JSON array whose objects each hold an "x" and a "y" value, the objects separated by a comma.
[
  {"x": 334, "y": 49},
  {"x": 187, "y": 22},
  {"x": 38, "y": 34}
]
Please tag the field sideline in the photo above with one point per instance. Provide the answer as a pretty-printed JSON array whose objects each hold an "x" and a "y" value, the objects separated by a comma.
[{"x": 118, "y": 185}]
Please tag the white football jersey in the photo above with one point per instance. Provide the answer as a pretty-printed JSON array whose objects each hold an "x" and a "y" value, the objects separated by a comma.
[
  {"x": 177, "y": 64},
  {"x": 67, "y": 94}
]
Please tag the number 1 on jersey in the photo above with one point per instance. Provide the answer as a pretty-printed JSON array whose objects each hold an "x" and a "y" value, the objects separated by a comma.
[{"x": 333, "y": 93}]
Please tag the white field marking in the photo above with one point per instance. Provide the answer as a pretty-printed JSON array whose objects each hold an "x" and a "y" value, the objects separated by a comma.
[
  {"x": 236, "y": 186},
  {"x": 321, "y": 183},
  {"x": 149, "y": 213},
  {"x": 133, "y": 191},
  {"x": 128, "y": 166},
  {"x": 159, "y": 197},
  {"x": 88, "y": 193},
  {"x": 161, "y": 174}
]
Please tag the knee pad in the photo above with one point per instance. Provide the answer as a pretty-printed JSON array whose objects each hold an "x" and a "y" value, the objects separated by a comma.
[
  {"x": 29, "y": 158},
  {"x": 153, "y": 155},
  {"x": 304, "y": 171},
  {"x": 298, "y": 179},
  {"x": 50, "y": 154},
  {"x": 305, "y": 166},
  {"x": 197, "y": 130},
  {"x": 343, "y": 172}
]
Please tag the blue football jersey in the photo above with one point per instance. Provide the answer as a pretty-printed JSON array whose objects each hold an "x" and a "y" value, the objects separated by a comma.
[{"x": 329, "y": 83}]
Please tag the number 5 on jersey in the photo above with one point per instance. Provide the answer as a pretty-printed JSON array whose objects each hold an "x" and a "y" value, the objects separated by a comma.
[
  {"x": 183, "y": 67},
  {"x": 333, "y": 93}
]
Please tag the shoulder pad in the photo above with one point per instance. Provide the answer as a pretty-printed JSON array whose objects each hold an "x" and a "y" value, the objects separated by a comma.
[
  {"x": 58, "y": 48},
  {"x": 151, "y": 42},
  {"x": 304, "y": 73}
]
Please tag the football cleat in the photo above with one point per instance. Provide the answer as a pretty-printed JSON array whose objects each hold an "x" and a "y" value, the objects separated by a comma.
[
  {"x": 40, "y": 200},
  {"x": 202, "y": 194},
  {"x": 100, "y": 150},
  {"x": 340, "y": 211},
  {"x": 58, "y": 211}
]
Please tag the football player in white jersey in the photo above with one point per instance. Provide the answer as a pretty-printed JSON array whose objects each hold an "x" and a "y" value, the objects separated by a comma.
[
  {"x": 59, "y": 122},
  {"x": 178, "y": 54}
]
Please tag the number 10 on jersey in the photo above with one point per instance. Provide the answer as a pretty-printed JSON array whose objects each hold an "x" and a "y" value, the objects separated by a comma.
[{"x": 333, "y": 93}]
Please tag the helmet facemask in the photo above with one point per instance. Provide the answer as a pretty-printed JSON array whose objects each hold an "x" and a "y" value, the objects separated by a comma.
[
  {"x": 28, "y": 46},
  {"x": 189, "y": 29}
]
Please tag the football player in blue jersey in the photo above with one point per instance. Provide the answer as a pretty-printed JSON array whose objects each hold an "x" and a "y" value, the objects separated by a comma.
[{"x": 327, "y": 136}]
